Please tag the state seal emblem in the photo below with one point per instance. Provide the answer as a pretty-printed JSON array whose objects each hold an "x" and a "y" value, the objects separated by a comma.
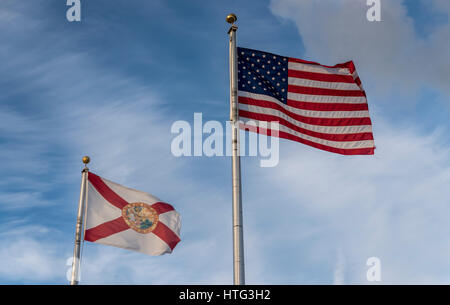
[{"x": 140, "y": 217}]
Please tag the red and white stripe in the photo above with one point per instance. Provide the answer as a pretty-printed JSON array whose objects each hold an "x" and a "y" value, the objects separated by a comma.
[{"x": 326, "y": 108}]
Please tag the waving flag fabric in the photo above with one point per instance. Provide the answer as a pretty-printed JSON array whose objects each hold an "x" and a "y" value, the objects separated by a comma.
[
  {"x": 321, "y": 106},
  {"x": 126, "y": 218}
]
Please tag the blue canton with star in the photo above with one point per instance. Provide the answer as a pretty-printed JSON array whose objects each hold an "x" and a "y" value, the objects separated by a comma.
[{"x": 263, "y": 73}]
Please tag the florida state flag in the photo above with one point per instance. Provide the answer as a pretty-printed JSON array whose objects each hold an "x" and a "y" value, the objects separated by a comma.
[{"x": 126, "y": 218}]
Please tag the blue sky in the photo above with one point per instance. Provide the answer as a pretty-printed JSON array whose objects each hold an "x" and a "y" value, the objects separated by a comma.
[{"x": 112, "y": 85}]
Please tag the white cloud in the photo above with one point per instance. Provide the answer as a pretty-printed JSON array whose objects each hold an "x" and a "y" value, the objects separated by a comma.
[
  {"x": 28, "y": 253},
  {"x": 339, "y": 271},
  {"x": 194, "y": 263},
  {"x": 27, "y": 259},
  {"x": 392, "y": 205},
  {"x": 388, "y": 54}
]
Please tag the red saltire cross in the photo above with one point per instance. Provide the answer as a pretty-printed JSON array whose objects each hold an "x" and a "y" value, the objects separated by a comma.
[{"x": 118, "y": 225}]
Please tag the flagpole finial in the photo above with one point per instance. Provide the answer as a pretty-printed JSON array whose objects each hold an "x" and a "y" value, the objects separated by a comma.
[
  {"x": 86, "y": 160},
  {"x": 231, "y": 18}
]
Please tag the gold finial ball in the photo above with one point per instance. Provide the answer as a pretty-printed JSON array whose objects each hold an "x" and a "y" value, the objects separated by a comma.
[
  {"x": 86, "y": 159},
  {"x": 231, "y": 18}
]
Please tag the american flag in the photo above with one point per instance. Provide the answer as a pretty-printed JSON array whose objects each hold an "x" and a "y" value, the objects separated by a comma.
[{"x": 321, "y": 106}]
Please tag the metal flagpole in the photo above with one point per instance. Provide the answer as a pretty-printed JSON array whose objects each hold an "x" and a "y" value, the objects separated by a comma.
[
  {"x": 79, "y": 225},
  {"x": 238, "y": 236}
]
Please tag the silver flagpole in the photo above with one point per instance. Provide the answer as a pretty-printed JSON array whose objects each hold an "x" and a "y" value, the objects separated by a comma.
[
  {"x": 79, "y": 225},
  {"x": 238, "y": 236}
]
